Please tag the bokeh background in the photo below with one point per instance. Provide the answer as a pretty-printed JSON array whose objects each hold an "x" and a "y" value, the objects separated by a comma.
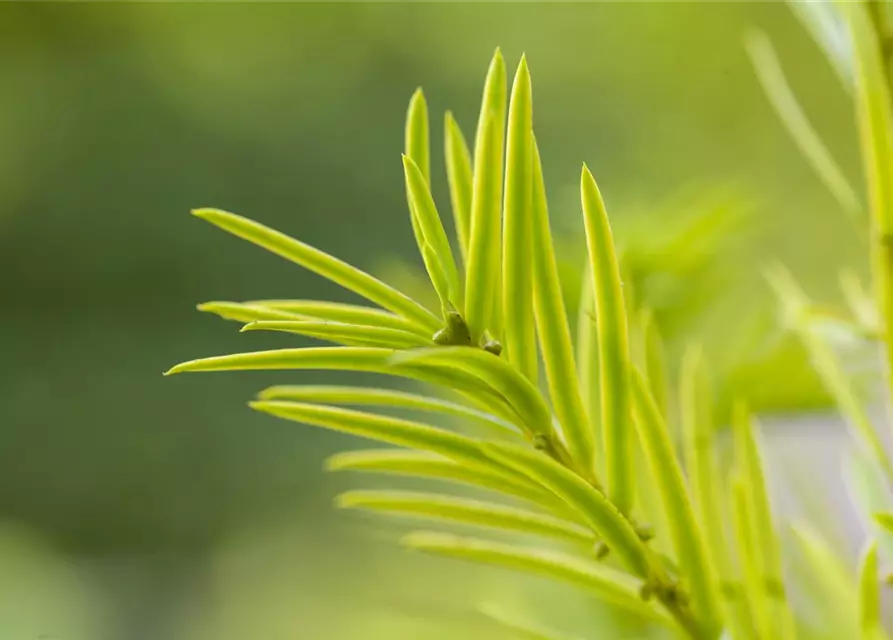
[{"x": 135, "y": 507}]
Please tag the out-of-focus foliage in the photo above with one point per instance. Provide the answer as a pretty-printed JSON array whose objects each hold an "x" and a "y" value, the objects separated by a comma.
[{"x": 43, "y": 594}]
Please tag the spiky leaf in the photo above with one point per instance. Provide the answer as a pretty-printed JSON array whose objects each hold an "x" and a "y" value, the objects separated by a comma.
[
  {"x": 483, "y": 279},
  {"x": 554, "y": 333},
  {"x": 460, "y": 178},
  {"x": 688, "y": 539},
  {"x": 321, "y": 263},
  {"x": 343, "y": 333},
  {"x": 469, "y": 512},
  {"x": 607, "y": 584},
  {"x": 517, "y": 274},
  {"x": 613, "y": 346}
]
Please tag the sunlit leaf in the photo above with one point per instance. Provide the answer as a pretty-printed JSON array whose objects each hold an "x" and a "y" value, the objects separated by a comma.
[
  {"x": 461, "y": 180},
  {"x": 746, "y": 547},
  {"x": 323, "y": 264},
  {"x": 765, "y": 539},
  {"x": 417, "y": 147},
  {"x": 688, "y": 539},
  {"x": 343, "y": 333},
  {"x": 701, "y": 458},
  {"x": 613, "y": 346},
  {"x": 438, "y": 276},
  {"x": 469, "y": 512},
  {"x": 483, "y": 278},
  {"x": 338, "y": 312},
  {"x": 246, "y": 311},
  {"x": 517, "y": 274},
  {"x": 590, "y": 502},
  {"x": 335, "y": 358},
  {"x": 366, "y": 396},
  {"x": 588, "y": 361},
  {"x": 605, "y": 583},
  {"x": 553, "y": 331},
  {"x": 368, "y": 359},
  {"x": 495, "y": 372},
  {"x": 707, "y": 483},
  {"x": 649, "y": 505},
  {"x": 422, "y": 464},
  {"x": 431, "y": 228},
  {"x": 655, "y": 366},
  {"x": 396, "y": 431}
]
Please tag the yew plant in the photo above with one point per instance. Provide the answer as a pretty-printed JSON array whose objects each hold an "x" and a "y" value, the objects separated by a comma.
[{"x": 569, "y": 435}]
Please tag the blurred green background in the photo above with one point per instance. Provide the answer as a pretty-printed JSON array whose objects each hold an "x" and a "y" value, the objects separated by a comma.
[{"x": 139, "y": 507}]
